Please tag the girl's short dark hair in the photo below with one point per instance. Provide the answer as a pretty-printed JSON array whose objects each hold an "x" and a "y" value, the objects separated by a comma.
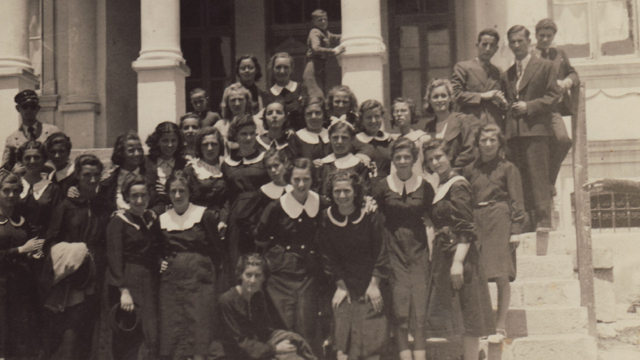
[
  {"x": 491, "y": 128},
  {"x": 265, "y": 123},
  {"x": 131, "y": 180},
  {"x": 251, "y": 259},
  {"x": 436, "y": 144},
  {"x": 368, "y": 105},
  {"x": 189, "y": 115},
  {"x": 272, "y": 63},
  {"x": 412, "y": 109},
  {"x": 224, "y": 105},
  {"x": 32, "y": 145},
  {"x": 153, "y": 141},
  {"x": 237, "y": 124},
  {"x": 86, "y": 160},
  {"x": 356, "y": 183},
  {"x": 58, "y": 138},
  {"x": 405, "y": 144},
  {"x": 10, "y": 178},
  {"x": 353, "y": 101},
  {"x": 119, "y": 148},
  {"x": 282, "y": 156},
  {"x": 179, "y": 176},
  {"x": 303, "y": 164},
  {"x": 202, "y": 133},
  {"x": 256, "y": 64}
]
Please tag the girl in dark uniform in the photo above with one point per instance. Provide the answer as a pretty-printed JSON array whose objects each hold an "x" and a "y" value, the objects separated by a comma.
[
  {"x": 289, "y": 92},
  {"x": 276, "y": 124},
  {"x": 369, "y": 127},
  {"x": 249, "y": 72},
  {"x": 189, "y": 126},
  {"x": 312, "y": 142},
  {"x": 342, "y": 103},
  {"x": 458, "y": 301},
  {"x": 499, "y": 213},
  {"x": 352, "y": 244},
  {"x": 132, "y": 276},
  {"x": 405, "y": 201},
  {"x": 58, "y": 148},
  {"x": 193, "y": 253}
]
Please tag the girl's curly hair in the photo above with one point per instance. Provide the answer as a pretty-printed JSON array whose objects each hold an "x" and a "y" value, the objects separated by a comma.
[{"x": 153, "y": 141}]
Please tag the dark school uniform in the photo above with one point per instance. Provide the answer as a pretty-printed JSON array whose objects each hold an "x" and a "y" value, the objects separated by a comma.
[
  {"x": 355, "y": 252},
  {"x": 498, "y": 212},
  {"x": 293, "y": 95},
  {"x": 459, "y": 137},
  {"x": 310, "y": 145},
  {"x": 209, "y": 187},
  {"x": 348, "y": 162},
  {"x": 379, "y": 152},
  {"x": 64, "y": 178},
  {"x": 159, "y": 171},
  {"x": 281, "y": 144},
  {"x": 466, "y": 311},
  {"x": 37, "y": 203},
  {"x": 191, "y": 246},
  {"x": 405, "y": 204}
]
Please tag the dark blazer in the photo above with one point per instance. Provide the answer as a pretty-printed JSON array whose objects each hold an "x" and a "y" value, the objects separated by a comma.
[
  {"x": 459, "y": 137},
  {"x": 568, "y": 105},
  {"x": 469, "y": 80},
  {"x": 539, "y": 89}
]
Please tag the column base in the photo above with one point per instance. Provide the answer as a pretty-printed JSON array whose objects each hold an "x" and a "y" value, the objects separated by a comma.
[
  {"x": 161, "y": 92},
  {"x": 12, "y": 81}
]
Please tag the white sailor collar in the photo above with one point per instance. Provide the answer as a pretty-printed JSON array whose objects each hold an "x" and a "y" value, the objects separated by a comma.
[
  {"x": 344, "y": 162},
  {"x": 294, "y": 209},
  {"x": 38, "y": 188},
  {"x": 63, "y": 173},
  {"x": 346, "y": 218},
  {"x": 313, "y": 138},
  {"x": 277, "y": 89},
  {"x": 244, "y": 160},
  {"x": 272, "y": 190},
  {"x": 172, "y": 221},
  {"x": 443, "y": 189},
  {"x": 148, "y": 218},
  {"x": 268, "y": 146},
  {"x": 415, "y": 135},
  {"x": 396, "y": 185},
  {"x": 366, "y": 138},
  {"x": 16, "y": 224},
  {"x": 205, "y": 171}
]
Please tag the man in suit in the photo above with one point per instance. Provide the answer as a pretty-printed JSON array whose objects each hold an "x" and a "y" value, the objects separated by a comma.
[
  {"x": 568, "y": 82},
  {"x": 28, "y": 105},
  {"x": 530, "y": 86},
  {"x": 476, "y": 83}
]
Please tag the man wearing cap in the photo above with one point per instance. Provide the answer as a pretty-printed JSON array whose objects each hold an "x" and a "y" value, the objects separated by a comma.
[{"x": 27, "y": 104}]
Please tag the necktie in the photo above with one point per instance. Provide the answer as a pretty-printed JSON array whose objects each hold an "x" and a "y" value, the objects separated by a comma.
[
  {"x": 32, "y": 133},
  {"x": 519, "y": 69},
  {"x": 404, "y": 193}
]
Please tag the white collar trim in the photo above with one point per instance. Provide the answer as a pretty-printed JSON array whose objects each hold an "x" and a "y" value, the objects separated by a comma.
[
  {"x": 121, "y": 215},
  {"x": 313, "y": 138},
  {"x": 366, "y": 138},
  {"x": 63, "y": 173},
  {"x": 20, "y": 223},
  {"x": 277, "y": 89},
  {"x": 205, "y": 171},
  {"x": 244, "y": 161},
  {"x": 294, "y": 209},
  {"x": 268, "y": 146},
  {"x": 415, "y": 135},
  {"x": 346, "y": 218},
  {"x": 344, "y": 162},
  {"x": 272, "y": 190},
  {"x": 38, "y": 188},
  {"x": 396, "y": 185},
  {"x": 171, "y": 221},
  {"x": 443, "y": 189}
]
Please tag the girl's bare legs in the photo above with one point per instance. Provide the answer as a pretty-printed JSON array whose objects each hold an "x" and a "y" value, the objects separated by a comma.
[{"x": 504, "y": 298}]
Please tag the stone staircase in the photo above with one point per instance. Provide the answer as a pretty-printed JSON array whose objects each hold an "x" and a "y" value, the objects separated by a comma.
[{"x": 545, "y": 320}]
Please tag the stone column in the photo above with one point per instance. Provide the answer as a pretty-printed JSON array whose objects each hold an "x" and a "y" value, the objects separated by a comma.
[
  {"x": 16, "y": 73},
  {"x": 365, "y": 54},
  {"x": 81, "y": 106},
  {"x": 161, "y": 68}
]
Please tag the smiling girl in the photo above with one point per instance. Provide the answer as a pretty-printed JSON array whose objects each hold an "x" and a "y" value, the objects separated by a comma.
[{"x": 289, "y": 92}]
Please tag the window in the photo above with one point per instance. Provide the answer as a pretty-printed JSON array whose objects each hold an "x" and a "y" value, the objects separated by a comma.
[
  {"x": 596, "y": 28},
  {"x": 299, "y": 11}
]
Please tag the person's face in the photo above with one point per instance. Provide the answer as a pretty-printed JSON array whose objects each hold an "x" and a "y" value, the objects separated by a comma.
[
  {"x": 133, "y": 154},
  {"x": 168, "y": 144},
  {"x": 275, "y": 168},
  {"x": 402, "y": 115},
  {"x": 275, "y": 116},
  {"x": 179, "y": 194},
  {"x": 438, "y": 162},
  {"x": 199, "y": 101},
  {"x": 247, "y": 136},
  {"x": 282, "y": 70},
  {"x": 9, "y": 195},
  {"x": 486, "y": 47},
  {"x": 138, "y": 198},
  {"x": 403, "y": 159},
  {"x": 301, "y": 181},
  {"x": 33, "y": 160},
  {"x": 59, "y": 155},
  {"x": 372, "y": 121},
  {"x": 545, "y": 38},
  {"x": 190, "y": 127},
  {"x": 89, "y": 178},
  {"x": 28, "y": 111},
  {"x": 343, "y": 193},
  {"x": 252, "y": 279},
  {"x": 439, "y": 99},
  {"x": 488, "y": 144},
  {"x": 210, "y": 149},
  {"x": 340, "y": 141},
  {"x": 519, "y": 44},
  {"x": 341, "y": 103},
  {"x": 321, "y": 22},
  {"x": 237, "y": 103},
  {"x": 313, "y": 116},
  {"x": 247, "y": 71}
]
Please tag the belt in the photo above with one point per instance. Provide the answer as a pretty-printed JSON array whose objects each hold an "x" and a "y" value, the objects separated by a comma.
[{"x": 487, "y": 203}]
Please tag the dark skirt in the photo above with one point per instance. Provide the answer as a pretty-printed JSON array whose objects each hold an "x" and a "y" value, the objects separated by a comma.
[
  {"x": 296, "y": 301},
  {"x": 408, "y": 294},
  {"x": 467, "y": 311},
  {"x": 21, "y": 320},
  {"x": 187, "y": 306},
  {"x": 359, "y": 331},
  {"x": 493, "y": 225}
]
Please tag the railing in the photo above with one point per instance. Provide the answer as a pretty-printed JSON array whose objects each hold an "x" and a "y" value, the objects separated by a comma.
[{"x": 613, "y": 210}]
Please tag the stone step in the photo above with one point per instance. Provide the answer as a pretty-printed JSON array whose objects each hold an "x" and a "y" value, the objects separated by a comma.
[
  {"x": 534, "y": 293},
  {"x": 547, "y": 347},
  {"x": 556, "y": 243},
  {"x": 550, "y": 266},
  {"x": 546, "y": 320}
]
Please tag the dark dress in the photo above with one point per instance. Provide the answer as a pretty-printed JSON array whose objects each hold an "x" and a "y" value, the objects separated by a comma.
[
  {"x": 133, "y": 257},
  {"x": 37, "y": 203},
  {"x": 466, "y": 311},
  {"x": 379, "y": 151},
  {"x": 209, "y": 187},
  {"x": 293, "y": 96},
  {"x": 498, "y": 212},
  {"x": 64, "y": 178},
  {"x": 250, "y": 215},
  {"x": 109, "y": 192},
  {"x": 354, "y": 250},
  {"x": 191, "y": 246},
  {"x": 287, "y": 231},
  {"x": 243, "y": 177},
  {"x": 20, "y": 322},
  {"x": 349, "y": 162},
  {"x": 460, "y": 138},
  {"x": 405, "y": 205},
  {"x": 246, "y": 326},
  {"x": 307, "y": 144},
  {"x": 257, "y": 98},
  {"x": 159, "y": 201}
]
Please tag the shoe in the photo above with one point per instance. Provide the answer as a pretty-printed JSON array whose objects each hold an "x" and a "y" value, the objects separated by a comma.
[{"x": 498, "y": 337}]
